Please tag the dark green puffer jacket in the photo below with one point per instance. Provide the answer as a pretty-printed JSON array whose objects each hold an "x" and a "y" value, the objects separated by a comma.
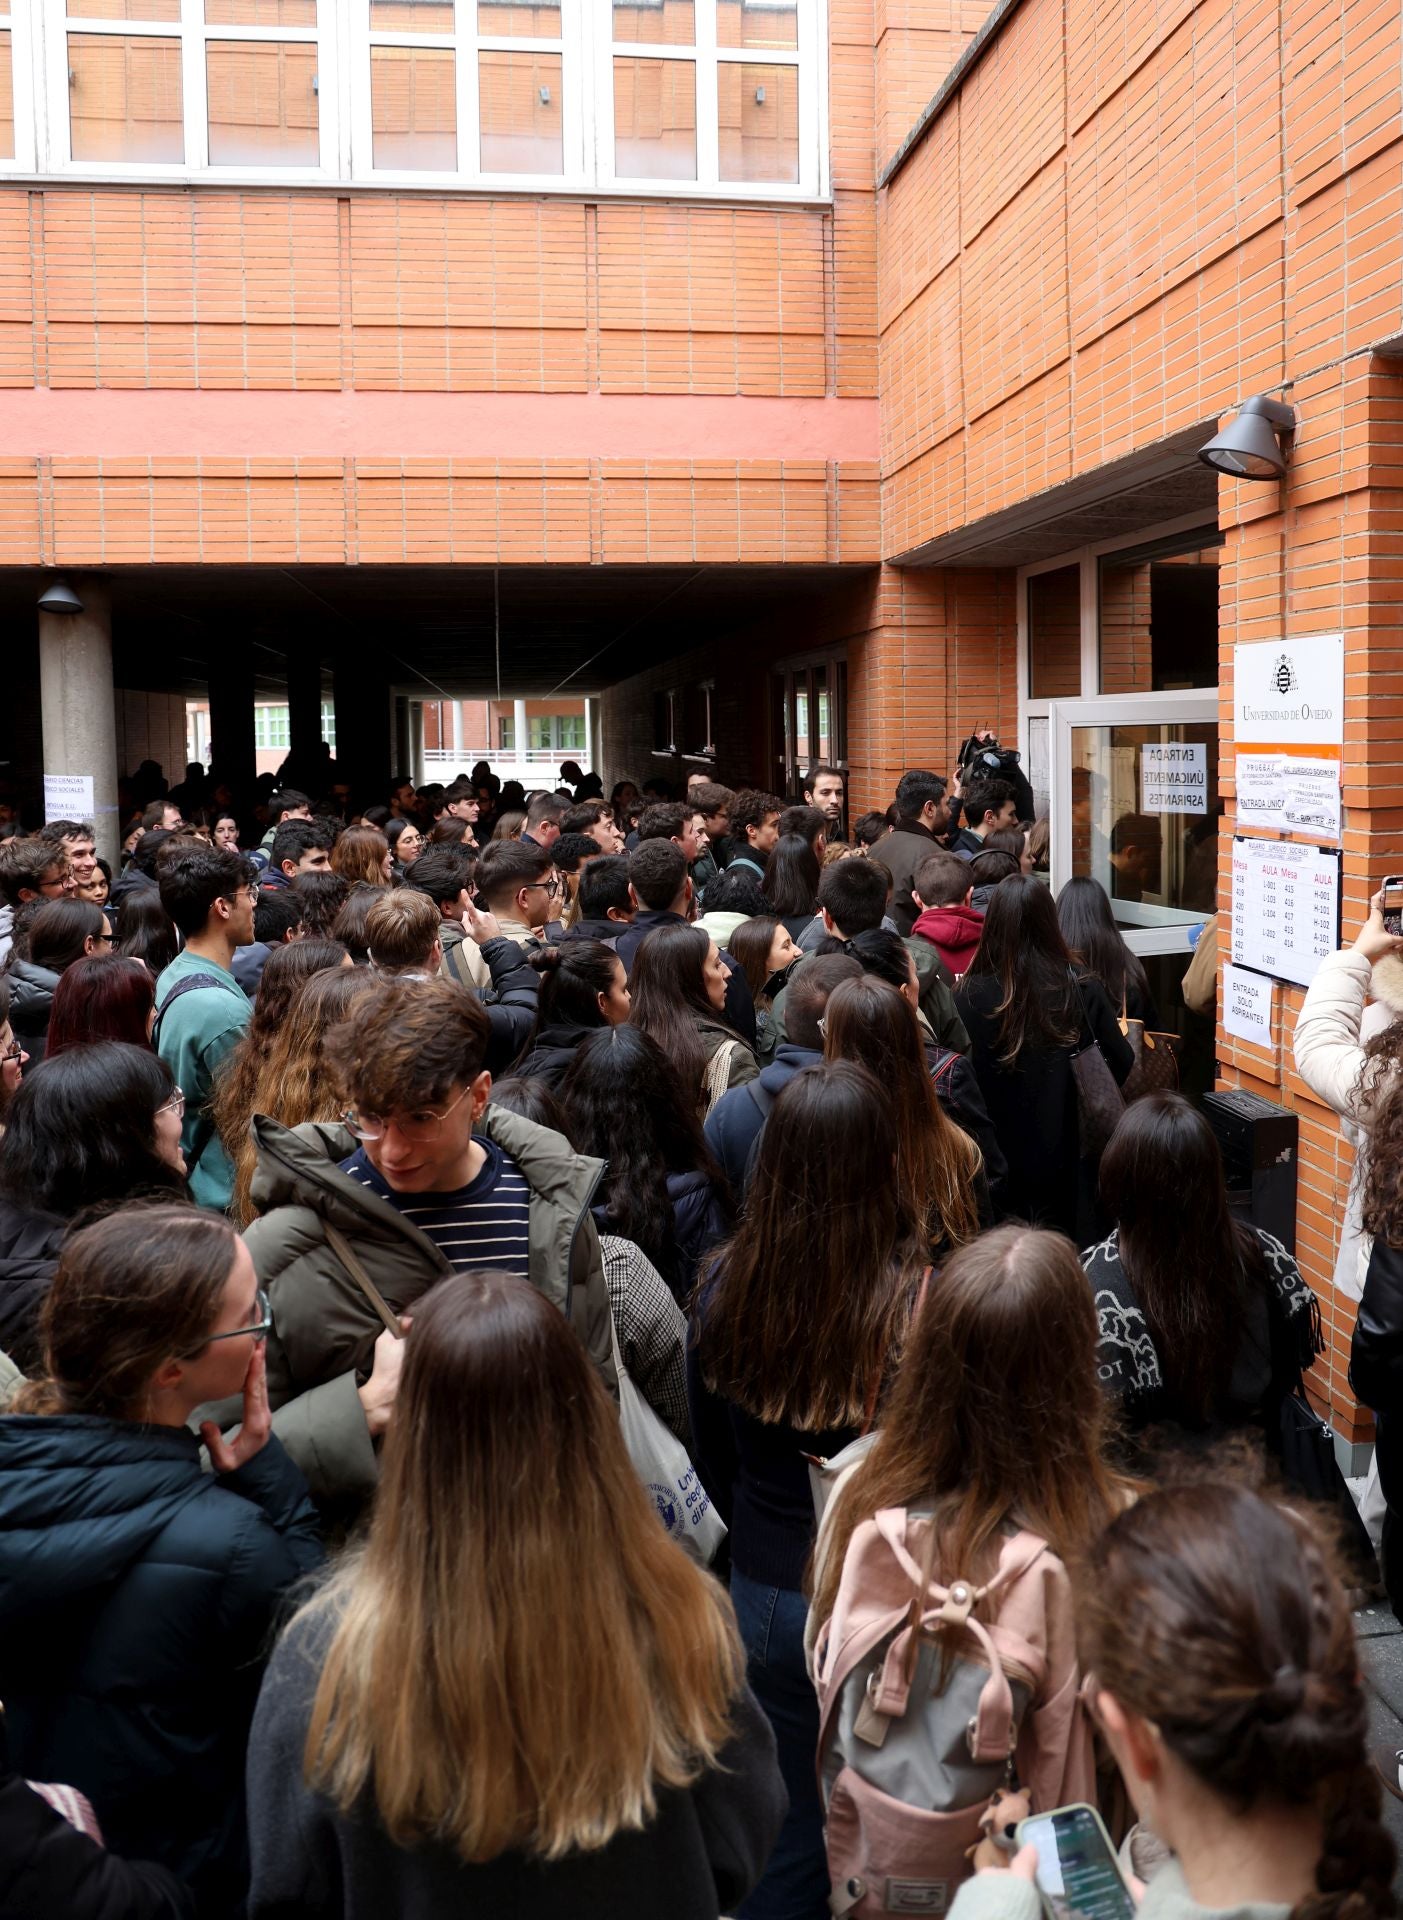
[{"x": 324, "y": 1329}]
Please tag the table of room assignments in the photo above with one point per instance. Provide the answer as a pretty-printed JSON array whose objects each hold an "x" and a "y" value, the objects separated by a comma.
[{"x": 1285, "y": 907}]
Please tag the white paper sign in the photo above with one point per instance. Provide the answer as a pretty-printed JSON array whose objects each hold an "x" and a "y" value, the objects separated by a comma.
[
  {"x": 1247, "y": 1005},
  {"x": 1287, "y": 793},
  {"x": 68, "y": 796},
  {"x": 1290, "y": 692},
  {"x": 1174, "y": 777},
  {"x": 1285, "y": 907}
]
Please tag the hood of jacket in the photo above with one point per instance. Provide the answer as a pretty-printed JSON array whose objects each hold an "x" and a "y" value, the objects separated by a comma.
[
  {"x": 131, "y": 880},
  {"x": 1386, "y": 982},
  {"x": 297, "y": 1167},
  {"x": 721, "y": 925},
  {"x": 956, "y": 930},
  {"x": 29, "y": 1239},
  {"x": 789, "y": 1060},
  {"x": 81, "y": 1499},
  {"x": 31, "y": 995}
]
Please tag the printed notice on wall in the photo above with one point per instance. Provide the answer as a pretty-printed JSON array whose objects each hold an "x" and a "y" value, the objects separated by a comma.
[
  {"x": 68, "y": 796},
  {"x": 1289, "y": 720},
  {"x": 1285, "y": 907},
  {"x": 1247, "y": 1001},
  {"x": 1174, "y": 777}
]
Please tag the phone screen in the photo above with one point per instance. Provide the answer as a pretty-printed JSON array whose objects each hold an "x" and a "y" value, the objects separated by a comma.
[
  {"x": 1393, "y": 903},
  {"x": 1077, "y": 1871}
]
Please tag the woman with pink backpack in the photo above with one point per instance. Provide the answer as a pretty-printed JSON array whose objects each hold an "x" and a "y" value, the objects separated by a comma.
[{"x": 942, "y": 1623}]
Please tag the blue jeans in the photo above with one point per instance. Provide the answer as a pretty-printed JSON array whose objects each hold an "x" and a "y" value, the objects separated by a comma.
[{"x": 795, "y": 1884}]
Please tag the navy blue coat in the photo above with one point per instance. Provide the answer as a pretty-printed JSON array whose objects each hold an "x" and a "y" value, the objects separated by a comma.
[{"x": 137, "y": 1603}]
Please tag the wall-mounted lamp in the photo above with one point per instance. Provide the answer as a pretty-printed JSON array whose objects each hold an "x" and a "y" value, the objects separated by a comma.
[
  {"x": 545, "y": 96},
  {"x": 1250, "y": 447},
  {"x": 59, "y": 597},
  {"x": 759, "y": 96}
]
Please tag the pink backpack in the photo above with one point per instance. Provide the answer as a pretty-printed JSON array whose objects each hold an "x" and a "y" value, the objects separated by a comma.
[{"x": 907, "y": 1767}]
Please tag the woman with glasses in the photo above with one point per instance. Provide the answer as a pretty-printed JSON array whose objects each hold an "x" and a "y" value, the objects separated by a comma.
[
  {"x": 13, "y": 1054},
  {"x": 91, "y": 1127},
  {"x": 61, "y": 932},
  {"x": 137, "y": 1592},
  {"x": 406, "y": 843}
]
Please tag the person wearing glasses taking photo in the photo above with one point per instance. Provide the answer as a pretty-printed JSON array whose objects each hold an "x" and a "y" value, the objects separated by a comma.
[
  {"x": 137, "y": 1592},
  {"x": 201, "y": 1010},
  {"x": 518, "y": 885},
  {"x": 423, "y": 1179}
]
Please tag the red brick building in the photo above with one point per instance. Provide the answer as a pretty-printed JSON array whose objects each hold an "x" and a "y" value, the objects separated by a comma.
[{"x": 785, "y": 376}]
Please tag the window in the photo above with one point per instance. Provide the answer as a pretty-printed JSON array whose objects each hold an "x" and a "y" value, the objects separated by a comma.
[
  {"x": 722, "y": 96},
  {"x": 557, "y": 732},
  {"x": 808, "y": 719},
  {"x": 665, "y": 722},
  {"x": 1158, "y": 609},
  {"x": 329, "y": 724},
  {"x": 272, "y": 729},
  {"x": 506, "y": 735}
]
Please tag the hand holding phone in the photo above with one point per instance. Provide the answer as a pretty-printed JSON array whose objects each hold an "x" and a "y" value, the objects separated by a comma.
[
  {"x": 1078, "y": 1874},
  {"x": 1393, "y": 903}
]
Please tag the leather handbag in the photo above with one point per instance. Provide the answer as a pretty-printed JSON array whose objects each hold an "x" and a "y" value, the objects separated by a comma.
[
  {"x": 1156, "y": 1068},
  {"x": 1100, "y": 1102}
]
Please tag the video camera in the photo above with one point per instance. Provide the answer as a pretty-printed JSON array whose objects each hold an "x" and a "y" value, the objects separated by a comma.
[{"x": 982, "y": 756}]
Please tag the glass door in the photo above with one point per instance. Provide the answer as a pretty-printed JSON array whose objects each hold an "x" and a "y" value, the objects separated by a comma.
[{"x": 1135, "y": 805}]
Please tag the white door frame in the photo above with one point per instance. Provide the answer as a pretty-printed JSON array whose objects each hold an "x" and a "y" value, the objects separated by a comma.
[{"x": 1157, "y": 929}]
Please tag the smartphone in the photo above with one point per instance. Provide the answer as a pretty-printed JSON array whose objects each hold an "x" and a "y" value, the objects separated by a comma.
[
  {"x": 1079, "y": 1876},
  {"x": 1393, "y": 903}
]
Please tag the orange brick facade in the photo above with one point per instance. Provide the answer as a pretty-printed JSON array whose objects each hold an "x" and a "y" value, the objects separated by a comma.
[{"x": 1123, "y": 218}]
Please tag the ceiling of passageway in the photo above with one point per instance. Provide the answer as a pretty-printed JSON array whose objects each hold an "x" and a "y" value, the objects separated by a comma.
[{"x": 435, "y": 628}]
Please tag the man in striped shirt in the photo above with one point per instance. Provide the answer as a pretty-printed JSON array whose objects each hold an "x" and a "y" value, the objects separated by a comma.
[{"x": 421, "y": 1179}]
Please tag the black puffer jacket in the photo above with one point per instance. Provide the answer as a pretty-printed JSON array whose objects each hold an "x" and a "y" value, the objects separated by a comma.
[
  {"x": 29, "y": 1244},
  {"x": 137, "y": 1599},
  {"x": 551, "y": 1053},
  {"x": 48, "y": 1868},
  {"x": 700, "y": 1221},
  {"x": 31, "y": 1003}
]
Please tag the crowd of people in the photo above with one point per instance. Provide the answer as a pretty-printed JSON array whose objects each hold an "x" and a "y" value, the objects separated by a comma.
[{"x": 570, "y": 1355}]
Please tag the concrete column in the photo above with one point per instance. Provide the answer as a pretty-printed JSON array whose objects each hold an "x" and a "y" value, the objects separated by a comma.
[
  {"x": 367, "y": 728},
  {"x": 233, "y": 755},
  {"x": 416, "y": 742},
  {"x": 519, "y": 734},
  {"x": 594, "y": 743},
  {"x": 458, "y": 733},
  {"x": 80, "y": 712},
  {"x": 304, "y": 710}
]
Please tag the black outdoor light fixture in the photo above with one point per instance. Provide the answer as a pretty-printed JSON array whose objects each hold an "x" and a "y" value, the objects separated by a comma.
[
  {"x": 1250, "y": 448},
  {"x": 59, "y": 597}
]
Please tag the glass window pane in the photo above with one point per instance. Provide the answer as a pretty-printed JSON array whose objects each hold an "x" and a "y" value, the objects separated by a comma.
[
  {"x": 757, "y": 109},
  {"x": 671, "y": 24},
  {"x": 741, "y": 23},
  {"x": 655, "y": 119},
  {"x": 1159, "y": 621},
  {"x": 124, "y": 98},
  {"x": 539, "y": 20},
  {"x": 7, "y": 101},
  {"x": 413, "y": 109},
  {"x": 1054, "y": 634},
  {"x": 1159, "y": 868},
  {"x": 262, "y": 103},
  {"x": 124, "y": 9},
  {"x": 411, "y": 16},
  {"x": 519, "y": 111}
]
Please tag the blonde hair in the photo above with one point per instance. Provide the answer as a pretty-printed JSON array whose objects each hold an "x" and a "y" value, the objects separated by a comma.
[
  {"x": 519, "y": 1656},
  {"x": 292, "y": 1081}
]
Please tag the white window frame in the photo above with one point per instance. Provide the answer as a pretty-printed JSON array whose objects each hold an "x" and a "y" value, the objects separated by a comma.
[
  {"x": 343, "y": 39},
  {"x": 1162, "y": 929}
]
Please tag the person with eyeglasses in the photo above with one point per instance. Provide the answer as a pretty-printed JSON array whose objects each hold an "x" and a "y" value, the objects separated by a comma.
[
  {"x": 201, "y": 1010},
  {"x": 137, "y": 1592},
  {"x": 422, "y": 1179},
  {"x": 518, "y": 885}
]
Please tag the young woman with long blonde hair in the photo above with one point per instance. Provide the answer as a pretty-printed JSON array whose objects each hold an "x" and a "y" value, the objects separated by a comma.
[{"x": 518, "y": 1696}]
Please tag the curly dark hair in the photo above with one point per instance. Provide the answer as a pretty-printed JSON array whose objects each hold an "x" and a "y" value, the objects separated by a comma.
[{"x": 1379, "y": 1094}]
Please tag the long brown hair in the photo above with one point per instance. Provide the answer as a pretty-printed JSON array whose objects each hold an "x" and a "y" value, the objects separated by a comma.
[
  {"x": 1379, "y": 1102},
  {"x": 293, "y": 1080},
  {"x": 1214, "y": 1614},
  {"x": 285, "y": 973},
  {"x": 521, "y": 1658},
  {"x": 1187, "y": 1258},
  {"x": 668, "y": 997},
  {"x": 982, "y": 1423},
  {"x": 808, "y": 1301},
  {"x": 937, "y": 1164},
  {"x": 1022, "y": 948},
  {"x": 139, "y": 1287},
  {"x": 359, "y": 854}
]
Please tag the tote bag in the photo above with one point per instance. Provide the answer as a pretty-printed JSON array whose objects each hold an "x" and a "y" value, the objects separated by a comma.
[{"x": 664, "y": 1466}]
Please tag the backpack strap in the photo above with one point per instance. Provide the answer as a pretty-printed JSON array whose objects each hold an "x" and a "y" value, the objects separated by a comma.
[
  {"x": 762, "y": 1097},
  {"x": 189, "y": 984},
  {"x": 341, "y": 1247}
]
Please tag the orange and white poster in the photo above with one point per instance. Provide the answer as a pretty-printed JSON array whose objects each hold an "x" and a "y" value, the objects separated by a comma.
[{"x": 1289, "y": 730}]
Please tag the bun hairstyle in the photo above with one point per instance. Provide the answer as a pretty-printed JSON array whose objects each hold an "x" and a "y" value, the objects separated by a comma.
[
  {"x": 572, "y": 978},
  {"x": 1216, "y": 1615}
]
